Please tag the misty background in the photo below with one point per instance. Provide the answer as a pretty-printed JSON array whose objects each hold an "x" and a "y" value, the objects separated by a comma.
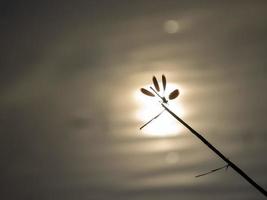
[{"x": 68, "y": 72}]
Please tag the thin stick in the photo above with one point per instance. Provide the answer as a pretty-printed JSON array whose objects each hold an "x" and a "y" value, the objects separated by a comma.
[
  {"x": 231, "y": 164},
  {"x": 152, "y": 119},
  {"x": 214, "y": 170}
]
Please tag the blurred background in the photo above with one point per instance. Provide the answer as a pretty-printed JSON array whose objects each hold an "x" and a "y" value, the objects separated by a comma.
[{"x": 71, "y": 108}]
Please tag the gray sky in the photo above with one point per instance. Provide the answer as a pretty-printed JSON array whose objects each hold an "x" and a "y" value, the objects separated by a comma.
[{"x": 69, "y": 72}]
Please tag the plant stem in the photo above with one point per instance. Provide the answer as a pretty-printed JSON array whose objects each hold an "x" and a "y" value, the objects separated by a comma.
[
  {"x": 152, "y": 119},
  {"x": 231, "y": 164}
]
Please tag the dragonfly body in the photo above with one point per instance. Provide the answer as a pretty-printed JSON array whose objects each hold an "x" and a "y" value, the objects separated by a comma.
[{"x": 164, "y": 100}]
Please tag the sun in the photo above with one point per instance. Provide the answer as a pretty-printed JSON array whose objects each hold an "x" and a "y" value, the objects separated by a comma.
[{"x": 149, "y": 107}]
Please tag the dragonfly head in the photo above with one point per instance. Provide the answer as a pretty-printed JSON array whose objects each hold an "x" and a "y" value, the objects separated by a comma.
[{"x": 164, "y": 100}]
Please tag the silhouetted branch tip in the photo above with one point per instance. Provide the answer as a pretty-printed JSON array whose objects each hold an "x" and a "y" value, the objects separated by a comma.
[{"x": 214, "y": 170}]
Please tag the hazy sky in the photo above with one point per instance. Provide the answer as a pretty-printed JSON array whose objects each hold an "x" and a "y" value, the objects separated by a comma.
[{"x": 69, "y": 73}]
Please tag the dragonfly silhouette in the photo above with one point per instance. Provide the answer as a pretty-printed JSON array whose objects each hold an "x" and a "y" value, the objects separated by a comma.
[{"x": 172, "y": 95}]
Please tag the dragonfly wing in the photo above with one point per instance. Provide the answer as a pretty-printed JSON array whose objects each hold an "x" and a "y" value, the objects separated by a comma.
[
  {"x": 164, "y": 82},
  {"x": 155, "y": 82},
  {"x": 174, "y": 94},
  {"x": 146, "y": 92}
]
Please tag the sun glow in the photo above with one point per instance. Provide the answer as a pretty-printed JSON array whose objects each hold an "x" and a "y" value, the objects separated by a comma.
[{"x": 149, "y": 107}]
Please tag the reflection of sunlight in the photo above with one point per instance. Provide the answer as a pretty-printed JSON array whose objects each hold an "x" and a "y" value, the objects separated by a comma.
[
  {"x": 171, "y": 26},
  {"x": 149, "y": 107}
]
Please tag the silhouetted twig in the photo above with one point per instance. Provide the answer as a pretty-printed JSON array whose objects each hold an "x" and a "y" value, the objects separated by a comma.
[
  {"x": 214, "y": 170},
  {"x": 231, "y": 164},
  {"x": 173, "y": 95},
  {"x": 152, "y": 119}
]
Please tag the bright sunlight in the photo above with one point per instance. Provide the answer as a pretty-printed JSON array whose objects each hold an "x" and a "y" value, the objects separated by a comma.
[{"x": 149, "y": 107}]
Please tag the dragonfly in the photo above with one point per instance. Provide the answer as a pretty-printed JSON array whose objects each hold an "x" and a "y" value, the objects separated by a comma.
[{"x": 155, "y": 92}]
